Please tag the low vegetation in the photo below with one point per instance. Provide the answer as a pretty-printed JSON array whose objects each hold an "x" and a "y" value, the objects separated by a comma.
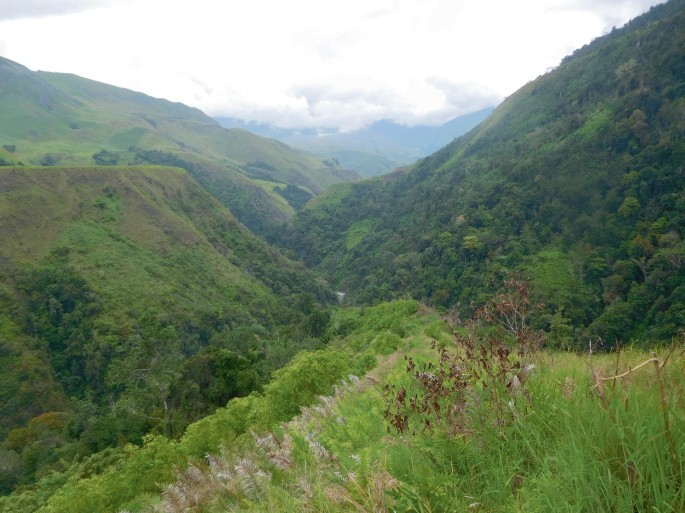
[
  {"x": 485, "y": 428},
  {"x": 469, "y": 418}
]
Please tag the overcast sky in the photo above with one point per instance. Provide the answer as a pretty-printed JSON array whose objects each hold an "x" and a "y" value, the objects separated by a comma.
[{"x": 315, "y": 63}]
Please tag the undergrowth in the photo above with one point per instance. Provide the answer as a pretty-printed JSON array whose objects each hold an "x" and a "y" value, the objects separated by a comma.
[
  {"x": 489, "y": 423},
  {"x": 486, "y": 421}
]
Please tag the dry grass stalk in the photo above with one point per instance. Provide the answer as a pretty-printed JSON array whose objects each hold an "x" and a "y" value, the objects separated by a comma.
[
  {"x": 568, "y": 387},
  {"x": 599, "y": 380},
  {"x": 278, "y": 451}
]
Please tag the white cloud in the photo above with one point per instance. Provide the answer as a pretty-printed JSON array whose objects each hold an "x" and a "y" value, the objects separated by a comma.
[
  {"x": 308, "y": 62},
  {"x": 10, "y": 9},
  {"x": 611, "y": 12}
]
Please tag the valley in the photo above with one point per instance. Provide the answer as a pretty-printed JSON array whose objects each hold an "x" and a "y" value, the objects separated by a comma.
[{"x": 201, "y": 319}]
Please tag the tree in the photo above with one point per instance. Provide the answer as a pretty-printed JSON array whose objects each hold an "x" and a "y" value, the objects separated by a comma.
[
  {"x": 638, "y": 120},
  {"x": 209, "y": 380},
  {"x": 106, "y": 158},
  {"x": 148, "y": 372}
]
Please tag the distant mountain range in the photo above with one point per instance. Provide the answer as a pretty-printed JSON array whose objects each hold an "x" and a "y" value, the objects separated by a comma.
[{"x": 371, "y": 151}]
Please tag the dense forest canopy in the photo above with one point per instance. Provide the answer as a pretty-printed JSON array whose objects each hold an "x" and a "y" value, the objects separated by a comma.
[{"x": 575, "y": 182}]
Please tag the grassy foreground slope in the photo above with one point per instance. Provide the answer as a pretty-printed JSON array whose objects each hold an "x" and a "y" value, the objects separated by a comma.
[
  {"x": 66, "y": 120},
  {"x": 447, "y": 421},
  {"x": 131, "y": 301},
  {"x": 577, "y": 181},
  {"x": 126, "y": 477}
]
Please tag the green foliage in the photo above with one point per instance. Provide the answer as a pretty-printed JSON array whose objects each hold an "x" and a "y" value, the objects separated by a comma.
[
  {"x": 137, "y": 305},
  {"x": 364, "y": 363},
  {"x": 307, "y": 376},
  {"x": 209, "y": 380},
  {"x": 295, "y": 196},
  {"x": 386, "y": 343},
  {"x": 564, "y": 436},
  {"x": 246, "y": 200},
  {"x": 61, "y": 308},
  {"x": 50, "y": 159},
  {"x": 438, "y": 331},
  {"x": 357, "y": 232},
  {"x": 596, "y": 124},
  {"x": 562, "y": 444},
  {"x": 472, "y": 243},
  {"x": 574, "y": 180},
  {"x": 560, "y": 282},
  {"x": 10, "y": 470},
  {"x": 27, "y": 384},
  {"x": 629, "y": 206},
  {"x": 138, "y": 473},
  {"x": 106, "y": 158},
  {"x": 121, "y": 479}
]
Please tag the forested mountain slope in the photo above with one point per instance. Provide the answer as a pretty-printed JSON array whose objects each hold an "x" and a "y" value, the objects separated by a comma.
[
  {"x": 576, "y": 182},
  {"x": 131, "y": 301},
  {"x": 57, "y": 119}
]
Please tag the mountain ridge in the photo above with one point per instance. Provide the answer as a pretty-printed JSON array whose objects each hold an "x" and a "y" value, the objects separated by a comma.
[
  {"x": 573, "y": 181},
  {"x": 376, "y": 149},
  {"x": 62, "y": 119}
]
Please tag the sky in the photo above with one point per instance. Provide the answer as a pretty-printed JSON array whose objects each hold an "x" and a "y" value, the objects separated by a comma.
[{"x": 329, "y": 64}]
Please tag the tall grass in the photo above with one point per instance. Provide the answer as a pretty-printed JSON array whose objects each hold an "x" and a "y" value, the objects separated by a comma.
[
  {"x": 616, "y": 447},
  {"x": 567, "y": 448},
  {"x": 590, "y": 434}
]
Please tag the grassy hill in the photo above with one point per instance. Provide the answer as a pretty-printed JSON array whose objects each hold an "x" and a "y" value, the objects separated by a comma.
[
  {"x": 576, "y": 182},
  {"x": 132, "y": 301},
  {"x": 59, "y": 119}
]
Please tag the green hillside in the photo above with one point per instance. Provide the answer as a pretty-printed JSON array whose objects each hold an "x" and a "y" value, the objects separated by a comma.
[
  {"x": 131, "y": 302},
  {"x": 576, "y": 182},
  {"x": 445, "y": 421},
  {"x": 511, "y": 337},
  {"x": 57, "y": 119}
]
